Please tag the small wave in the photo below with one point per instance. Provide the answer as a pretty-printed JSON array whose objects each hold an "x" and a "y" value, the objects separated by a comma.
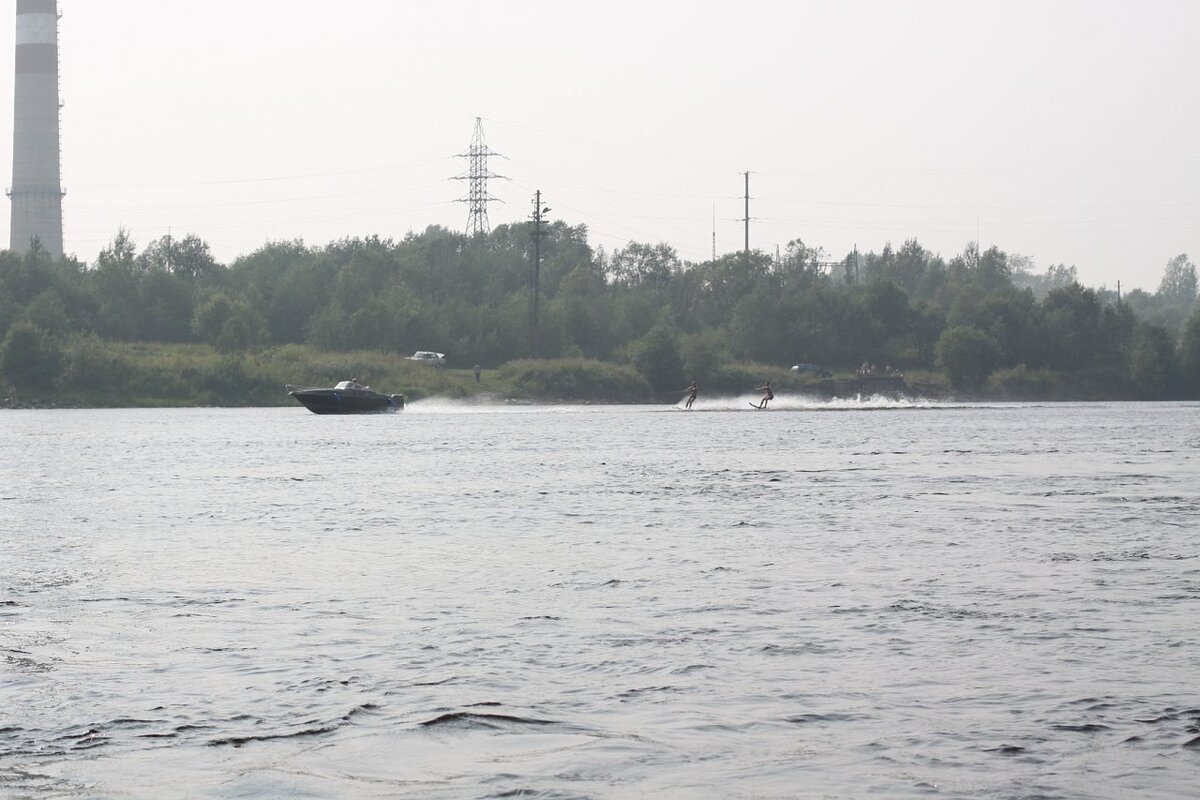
[
  {"x": 808, "y": 648},
  {"x": 24, "y": 662},
  {"x": 948, "y": 612},
  {"x": 319, "y": 730},
  {"x": 809, "y": 719},
  {"x": 239, "y": 741},
  {"x": 537, "y": 794},
  {"x": 629, "y": 694},
  {"x": 1172, "y": 715},
  {"x": 472, "y": 721},
  {"x": 442, "y": 682},
  {"x": 1087, "y": 727},
  {"x": 691, "y": 668}
]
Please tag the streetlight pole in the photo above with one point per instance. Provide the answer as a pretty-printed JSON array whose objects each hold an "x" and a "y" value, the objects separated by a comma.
[{"x": 538, "y": 217}]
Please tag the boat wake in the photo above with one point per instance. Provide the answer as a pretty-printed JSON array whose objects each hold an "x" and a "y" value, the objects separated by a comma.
[{"x": 740, "y": 403}]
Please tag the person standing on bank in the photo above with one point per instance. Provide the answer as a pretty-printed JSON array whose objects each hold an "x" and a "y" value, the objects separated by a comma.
[{"x": 477, "y": 373}]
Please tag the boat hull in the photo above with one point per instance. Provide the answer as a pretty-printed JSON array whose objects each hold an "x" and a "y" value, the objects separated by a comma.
[{"x": 347, "y": 401}]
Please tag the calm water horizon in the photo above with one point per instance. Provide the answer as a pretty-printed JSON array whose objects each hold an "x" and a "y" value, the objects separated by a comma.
[{"x": 824, "y": 600}]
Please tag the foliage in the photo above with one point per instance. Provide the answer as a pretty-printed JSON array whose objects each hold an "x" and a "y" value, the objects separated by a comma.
[
  {"x": 702, "y": 354},
  {"x": 229, "y": 324},
  {"x": 656, "y": 357},
  {"x": 1179, "y": 282},
  {"x": 1021, "y": 382},
  {"x": 967, "y": 356},
  {"x": 574, "y": 379},
  {"x": 1189, "y": 355},
  {"x": 671, "y": 320},
  {"x": 29, "y": 357},
  {"x": 1152, "y": 363}
]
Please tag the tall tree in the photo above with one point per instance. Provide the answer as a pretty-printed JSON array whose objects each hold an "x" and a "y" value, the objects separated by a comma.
[{"x": 1179, "y": 283}]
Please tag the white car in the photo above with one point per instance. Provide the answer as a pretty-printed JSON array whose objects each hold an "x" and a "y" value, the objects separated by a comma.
[{"x": 429, "y": 357}]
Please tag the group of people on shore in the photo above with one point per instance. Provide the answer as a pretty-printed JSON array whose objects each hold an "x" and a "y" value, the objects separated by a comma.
[{"x": 868, "y": 370}]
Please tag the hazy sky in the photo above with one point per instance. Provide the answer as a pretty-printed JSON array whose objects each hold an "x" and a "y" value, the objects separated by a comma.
[{"x": 1064, "y": 130}]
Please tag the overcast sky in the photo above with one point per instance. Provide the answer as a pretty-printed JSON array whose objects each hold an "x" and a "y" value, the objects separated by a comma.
[{"x": 1063, "y": 130}]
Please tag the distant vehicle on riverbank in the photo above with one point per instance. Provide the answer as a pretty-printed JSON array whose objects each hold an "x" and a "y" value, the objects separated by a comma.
[
  {"x": 347, "y": 397},
  {"x": 429, "y": 357},
  {"x": 812, "y": 369}
]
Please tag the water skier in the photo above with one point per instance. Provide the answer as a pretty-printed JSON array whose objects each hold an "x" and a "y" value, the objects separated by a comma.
[
  {"x": 768, "y": 395},
  {"x": 691, "y": 391}
]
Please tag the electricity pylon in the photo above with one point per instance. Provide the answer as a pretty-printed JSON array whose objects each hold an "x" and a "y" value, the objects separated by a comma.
[{"x": 478, "y": 173}]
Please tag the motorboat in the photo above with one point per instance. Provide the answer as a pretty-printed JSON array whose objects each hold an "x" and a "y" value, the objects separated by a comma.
[{"x": 347, "y": 397}]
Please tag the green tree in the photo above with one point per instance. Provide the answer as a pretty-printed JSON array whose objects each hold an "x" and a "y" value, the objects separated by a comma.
[
  {"x": 888, "y": 305},
  {"x": 188, "y": 257},
  {"x": 229, "y": 324},
  {"x": 583, "y": 301},
  {"x": 1189, "y": 354},
  {"x": 1072, "y": 328},
  {"x": 1179, "y": 282},
  {"x": 639, "y": 264},
  {"x": 29, "y": 357},
  {"x": 967, "y": 356},
  {"x": 656, "y": 357},
  {"x": 167, "y": 303},
  {"x": 702, "y": 353},
  {"x": 120, "y": 252},
  {"x": 48, "y": 313},
  {"x": 1152, "y": 363}
]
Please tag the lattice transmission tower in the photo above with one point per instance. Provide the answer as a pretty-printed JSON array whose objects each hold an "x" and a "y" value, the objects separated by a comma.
[{"x": 478, "y": 174}]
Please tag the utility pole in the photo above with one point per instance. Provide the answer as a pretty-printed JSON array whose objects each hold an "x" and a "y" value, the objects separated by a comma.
[
  {"x": 714, "y": 256},
  {"x": 538, "y": 217},
  {"x": 477, "y": 173},
  {"x": 746, "y": 220}
]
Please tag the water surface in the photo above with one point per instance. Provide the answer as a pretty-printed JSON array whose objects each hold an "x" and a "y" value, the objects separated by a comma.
[{"x": 834, "y": 601}]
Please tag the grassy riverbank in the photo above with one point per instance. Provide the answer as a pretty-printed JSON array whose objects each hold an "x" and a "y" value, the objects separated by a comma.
[{"x": 96, "y": 373}]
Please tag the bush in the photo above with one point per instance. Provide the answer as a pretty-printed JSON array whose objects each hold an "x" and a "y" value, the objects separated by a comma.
[
  {"x": 1153, "y": 366},
  {"x": 575, "y": 379},
  {"x": 967, "y": 356},
  {"x": 1189, "y": 354},
  {"x": 656, "y": 357},
  {"x": 702, "y": 354},
  {"x": 737, "y": 378},
  {"x": 91, "y": 365},
  {"x": 1022, "y": 383},
  {"x": 29, "y": 357}
]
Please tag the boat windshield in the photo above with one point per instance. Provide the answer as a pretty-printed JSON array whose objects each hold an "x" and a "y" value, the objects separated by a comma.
[{"x": 349, "y": 385}]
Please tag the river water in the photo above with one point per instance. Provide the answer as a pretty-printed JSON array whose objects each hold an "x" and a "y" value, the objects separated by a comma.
[{"x": 840, "y": 600}]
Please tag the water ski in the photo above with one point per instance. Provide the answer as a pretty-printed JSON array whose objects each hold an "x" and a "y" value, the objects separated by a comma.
[{"x": 755, "y": 405}]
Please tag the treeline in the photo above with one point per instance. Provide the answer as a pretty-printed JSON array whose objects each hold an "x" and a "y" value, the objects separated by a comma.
[{"x": 984, "y": 320}]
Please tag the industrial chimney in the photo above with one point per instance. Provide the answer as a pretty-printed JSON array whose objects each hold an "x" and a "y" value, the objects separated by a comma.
[{"x": 36, "y": 189}]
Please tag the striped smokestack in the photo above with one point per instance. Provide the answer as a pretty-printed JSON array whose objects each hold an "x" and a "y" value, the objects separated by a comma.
[{"x": 36, "y": 189}]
